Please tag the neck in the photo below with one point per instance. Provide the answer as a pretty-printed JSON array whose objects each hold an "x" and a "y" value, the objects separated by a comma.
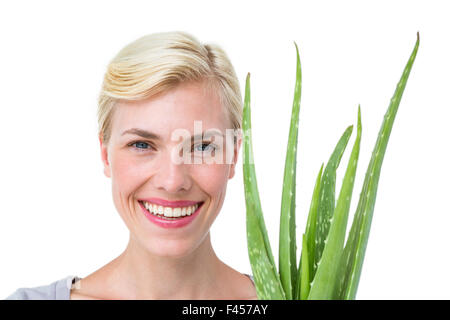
[{"x": 137, "y": 274}]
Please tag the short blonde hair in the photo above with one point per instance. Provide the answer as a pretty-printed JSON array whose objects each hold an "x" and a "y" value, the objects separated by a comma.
[{"x": 159, "y": 62}]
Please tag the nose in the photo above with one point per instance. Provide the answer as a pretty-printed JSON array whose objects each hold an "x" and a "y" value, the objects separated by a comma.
[{"x": 170, "y": 176}]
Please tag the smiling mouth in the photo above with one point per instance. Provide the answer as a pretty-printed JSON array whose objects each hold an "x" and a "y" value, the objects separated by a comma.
[{"x": 169, "y": 213}]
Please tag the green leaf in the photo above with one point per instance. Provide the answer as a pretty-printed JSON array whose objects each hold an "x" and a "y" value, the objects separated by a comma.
[
  {"x": 310, "y": 233},
  {"x": 354, "y": 251},
  {"x": 311, "y": 223},
  {"x": 325, "y": 278},
  {"x": 327, "y": 198},
  {"x": 287, "y": 240},
  {"x": 267, "y": 281},
  {"x": 304, "y": 270}
]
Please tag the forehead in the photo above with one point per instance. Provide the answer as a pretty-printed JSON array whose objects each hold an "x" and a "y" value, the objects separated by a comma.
[{"x": 167, "y": 111}]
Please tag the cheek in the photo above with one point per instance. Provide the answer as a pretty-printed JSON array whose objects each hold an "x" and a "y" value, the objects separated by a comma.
[
  {"x": 126, "y": 174},
  {"x": 213, "y": 178}
]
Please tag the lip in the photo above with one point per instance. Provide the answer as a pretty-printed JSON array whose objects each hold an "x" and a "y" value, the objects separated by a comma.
[
  {"x": 171, "y": 204},
  {"x": 178, "y": 223}
]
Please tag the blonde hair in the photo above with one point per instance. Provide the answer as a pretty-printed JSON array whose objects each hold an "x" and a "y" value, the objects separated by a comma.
[{"x": 159, "y": 62}]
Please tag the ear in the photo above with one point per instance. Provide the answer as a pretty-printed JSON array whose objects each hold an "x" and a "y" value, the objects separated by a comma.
[
  {"x": 237, "y": 147},
  {"x": 104, "y": 155}
]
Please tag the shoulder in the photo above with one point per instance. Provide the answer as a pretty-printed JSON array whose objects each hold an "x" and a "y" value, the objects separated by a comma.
[
  {"x": 235, "y": 285},
  {"x": 238, "y": 286},
  {"x": 58, "y": 290},
  {"x": 252, "y": 292}
]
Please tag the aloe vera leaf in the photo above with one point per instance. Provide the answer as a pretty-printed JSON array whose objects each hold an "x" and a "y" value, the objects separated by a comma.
[
  {"x": 327, "y": 198},
  {"x": 312, "y": 222},
  {"x": 310, "y": 236},
  {"x": 325, "y": 279},
  {"x": 304, "y": 270},
  {"x": 354, "y": 251},
  {"x": 287, "y": 241},
  {"x": 267, "y": 281}
]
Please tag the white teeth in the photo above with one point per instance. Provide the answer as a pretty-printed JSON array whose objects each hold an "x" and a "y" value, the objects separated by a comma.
[{"x": 170, "y": 212}]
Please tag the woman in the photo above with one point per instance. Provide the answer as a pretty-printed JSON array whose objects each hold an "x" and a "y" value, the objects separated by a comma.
[{"x": 168, "y": 182}]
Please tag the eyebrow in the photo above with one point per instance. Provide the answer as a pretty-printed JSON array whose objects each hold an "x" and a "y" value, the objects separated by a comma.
[{"x": 150, "y": 135}]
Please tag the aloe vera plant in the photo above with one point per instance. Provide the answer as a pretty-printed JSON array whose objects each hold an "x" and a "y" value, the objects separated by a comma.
[{"x": 329, "y": 267}]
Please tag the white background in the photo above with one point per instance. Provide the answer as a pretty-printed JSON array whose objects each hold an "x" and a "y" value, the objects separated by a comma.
[{"x": 57, "y": 217}]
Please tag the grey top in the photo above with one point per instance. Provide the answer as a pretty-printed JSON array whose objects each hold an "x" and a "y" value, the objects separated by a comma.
[{"x": 58, "y": 290}]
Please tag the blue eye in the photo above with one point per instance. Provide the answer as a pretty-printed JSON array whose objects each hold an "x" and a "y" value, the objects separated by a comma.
[
  {"x": 140, "y": 145},
  {"x": 143, "y": 144},
  {"x": 202, "y": 147},
  {"x": 208, "y": 145}
]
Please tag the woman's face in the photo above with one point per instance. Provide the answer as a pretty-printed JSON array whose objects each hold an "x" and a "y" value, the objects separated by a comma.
[{"x": 143, "y": 167}]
